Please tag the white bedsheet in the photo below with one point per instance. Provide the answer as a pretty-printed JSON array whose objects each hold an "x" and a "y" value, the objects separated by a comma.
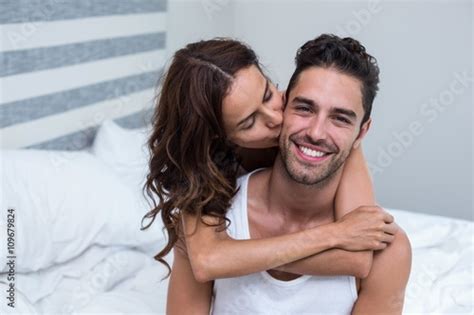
[
  {"x": 101, "y": 280},
  {"x": 441, "y": 279},
  {"x": 125, "y": 280}
]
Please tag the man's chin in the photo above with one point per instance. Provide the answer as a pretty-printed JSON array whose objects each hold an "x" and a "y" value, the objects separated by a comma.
[
  {"x": 303, "y": 176},
  {"x": 310, "y": 174}
]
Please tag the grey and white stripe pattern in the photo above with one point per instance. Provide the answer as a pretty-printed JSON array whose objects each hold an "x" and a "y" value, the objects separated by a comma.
[{"x": 67, "y": 65}]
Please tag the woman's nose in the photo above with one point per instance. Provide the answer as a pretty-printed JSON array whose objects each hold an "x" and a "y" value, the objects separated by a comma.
[
  {"x": 274, "y": 117},
  {"x": 274, "y": 111}
]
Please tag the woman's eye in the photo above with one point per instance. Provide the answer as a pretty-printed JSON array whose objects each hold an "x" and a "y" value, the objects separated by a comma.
[
  {"x": 249, "y": 124},
  {"x": 269, "y": 96}
]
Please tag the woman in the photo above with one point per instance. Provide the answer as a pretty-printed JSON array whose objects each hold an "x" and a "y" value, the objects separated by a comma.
[{"x": 218, "y": 112}]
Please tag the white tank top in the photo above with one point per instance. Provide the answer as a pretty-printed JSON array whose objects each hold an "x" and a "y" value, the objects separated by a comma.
[{"x": 260, "y": 293}]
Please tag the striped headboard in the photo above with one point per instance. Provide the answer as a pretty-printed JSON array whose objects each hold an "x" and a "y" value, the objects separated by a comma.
[{"x": 67, "y": 65}]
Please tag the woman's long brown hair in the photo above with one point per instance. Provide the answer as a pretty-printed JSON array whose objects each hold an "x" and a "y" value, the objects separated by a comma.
[{"x": 192, "y": 166}]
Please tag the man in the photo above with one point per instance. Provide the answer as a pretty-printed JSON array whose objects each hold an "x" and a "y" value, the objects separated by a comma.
[{"x": 327, "y": 114}]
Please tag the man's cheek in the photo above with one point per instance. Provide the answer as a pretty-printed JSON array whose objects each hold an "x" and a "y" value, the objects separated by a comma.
[
  {"x": 289, "y": 126},
  {"x": 296, "y": 123},
  {"x": 344, "y": 138}
]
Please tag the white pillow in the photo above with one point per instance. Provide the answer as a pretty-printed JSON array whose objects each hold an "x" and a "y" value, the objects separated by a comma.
[
  {"x": 64, "y": 202},
  {"x": 124, "y": 151}
]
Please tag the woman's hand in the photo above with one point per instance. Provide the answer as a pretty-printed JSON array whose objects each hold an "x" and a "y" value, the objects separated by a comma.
[{"x": 365, "y": 228}]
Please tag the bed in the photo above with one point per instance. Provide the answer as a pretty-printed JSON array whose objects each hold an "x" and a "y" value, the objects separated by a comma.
[{"x": 79, "y": 249}]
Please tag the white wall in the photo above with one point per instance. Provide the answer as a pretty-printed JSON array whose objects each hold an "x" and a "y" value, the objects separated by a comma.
[
  {"x": 193, "y": 20},
  {"x": 420, "y": 144}
]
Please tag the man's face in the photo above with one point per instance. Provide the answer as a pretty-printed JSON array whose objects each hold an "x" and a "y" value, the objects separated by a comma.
[{"x": 321, "y": 124}]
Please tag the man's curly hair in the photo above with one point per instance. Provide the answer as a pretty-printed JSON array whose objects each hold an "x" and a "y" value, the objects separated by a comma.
[{"x": 346, "y": 55}]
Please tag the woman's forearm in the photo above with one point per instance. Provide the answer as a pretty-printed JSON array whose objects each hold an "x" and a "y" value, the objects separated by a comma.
[
  {"x": 225, "y": 257},
  {"x": 213, "y": 254},
  {"x": 332, "y": 262}
]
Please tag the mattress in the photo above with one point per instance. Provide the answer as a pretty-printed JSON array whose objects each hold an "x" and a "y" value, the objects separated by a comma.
[{"x": 124, "y": 280}]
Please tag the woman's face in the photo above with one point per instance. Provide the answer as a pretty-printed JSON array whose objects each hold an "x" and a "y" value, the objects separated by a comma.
[{"x": 252, "y": 111}]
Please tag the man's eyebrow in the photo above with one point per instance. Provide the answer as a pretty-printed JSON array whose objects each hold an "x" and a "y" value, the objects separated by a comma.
[{"x": 304, "y": 100}]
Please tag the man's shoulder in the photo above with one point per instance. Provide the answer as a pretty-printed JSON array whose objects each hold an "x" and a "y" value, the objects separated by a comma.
[
  {"x": 384, "y": 287},
  {"x": 395, "y": 258},
  {"x": 400, "y": 247}
]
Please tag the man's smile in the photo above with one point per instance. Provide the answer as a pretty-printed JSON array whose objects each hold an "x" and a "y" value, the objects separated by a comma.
[{"x": 311, "y": 153}]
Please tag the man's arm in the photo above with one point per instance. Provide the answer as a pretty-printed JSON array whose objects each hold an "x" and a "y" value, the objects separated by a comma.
[
  {"x": 185, "y": 294},
  {"x": 383, "y": 291}
]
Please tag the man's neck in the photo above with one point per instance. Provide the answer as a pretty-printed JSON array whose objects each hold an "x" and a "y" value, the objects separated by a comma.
[{"x": 300, "y": 203}]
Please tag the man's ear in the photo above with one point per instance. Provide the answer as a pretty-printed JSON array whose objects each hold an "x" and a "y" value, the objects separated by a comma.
[{"x": 363, "y": 131}]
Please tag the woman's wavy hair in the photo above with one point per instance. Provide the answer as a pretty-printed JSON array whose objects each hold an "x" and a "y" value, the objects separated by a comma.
[{"x": 192, "y": 165}]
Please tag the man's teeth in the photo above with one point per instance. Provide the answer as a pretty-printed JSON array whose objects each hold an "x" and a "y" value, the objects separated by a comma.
[{"x": 312, "y": 153}]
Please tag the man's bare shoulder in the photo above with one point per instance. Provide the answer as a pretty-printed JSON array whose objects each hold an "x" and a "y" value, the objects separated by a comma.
[
  {"x": 384, "y": 287},
  {"x": 399, "y": 249},
  {"x": 396, "y": 258}
]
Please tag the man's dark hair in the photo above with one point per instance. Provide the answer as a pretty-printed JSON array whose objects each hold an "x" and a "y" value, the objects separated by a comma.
[{"x": 346, "y": 55}]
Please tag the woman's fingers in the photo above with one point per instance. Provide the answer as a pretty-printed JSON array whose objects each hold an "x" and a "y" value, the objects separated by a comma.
[
  {"x": 381, "y": 246},
  {"x": 387, "y": 217},
  {"x": 391, "y": 228},
  {"x": 387, "y": 238}
]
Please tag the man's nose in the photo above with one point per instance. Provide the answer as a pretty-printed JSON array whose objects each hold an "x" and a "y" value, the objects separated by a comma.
[{"x": 317, "y": 129}]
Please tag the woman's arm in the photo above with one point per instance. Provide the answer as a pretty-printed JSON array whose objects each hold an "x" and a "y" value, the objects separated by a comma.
[
  {"x": 185, "y": 294},
  {"x": 355, "y": 188},
  {"x": 213, "y": 254}
]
